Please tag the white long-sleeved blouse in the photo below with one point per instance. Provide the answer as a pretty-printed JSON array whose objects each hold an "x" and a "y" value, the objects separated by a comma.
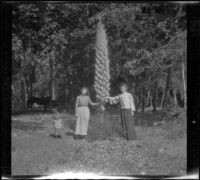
[{"x": 125, "y": 99}]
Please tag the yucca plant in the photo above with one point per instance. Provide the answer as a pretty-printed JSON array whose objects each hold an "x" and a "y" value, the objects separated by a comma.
[{"x": 102, "y": 68}]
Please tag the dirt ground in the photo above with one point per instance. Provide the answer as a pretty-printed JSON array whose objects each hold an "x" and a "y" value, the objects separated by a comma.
[{"x": 159, "y": 150}]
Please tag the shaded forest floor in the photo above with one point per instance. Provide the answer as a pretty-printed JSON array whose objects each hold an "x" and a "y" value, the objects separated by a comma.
[{"x": 159, "y": 150}]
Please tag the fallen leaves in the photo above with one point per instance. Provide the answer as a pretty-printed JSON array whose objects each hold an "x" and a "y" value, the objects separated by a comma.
[{"x": 35, "y": 152}]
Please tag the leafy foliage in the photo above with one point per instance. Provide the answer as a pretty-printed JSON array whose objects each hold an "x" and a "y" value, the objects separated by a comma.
[{"x": 144, "y": 39}]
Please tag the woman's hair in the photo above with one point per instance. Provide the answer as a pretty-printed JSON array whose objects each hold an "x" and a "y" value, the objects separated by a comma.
[
  {"x": 85, "y": 89},
  {"x": 124, "y": 85}
]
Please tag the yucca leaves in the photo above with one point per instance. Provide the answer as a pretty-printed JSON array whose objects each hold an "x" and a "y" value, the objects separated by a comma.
[{"x": 102, "y": 68}]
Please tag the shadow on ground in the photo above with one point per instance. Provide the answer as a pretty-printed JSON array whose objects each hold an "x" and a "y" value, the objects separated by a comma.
[
  {"x": 69, "y": 134},
  {"x": 38, "y": 111},
  {"x": 27, "y": 126},
  {"x": 32, "y": 112},
  {"x": 146, "y": 119}
]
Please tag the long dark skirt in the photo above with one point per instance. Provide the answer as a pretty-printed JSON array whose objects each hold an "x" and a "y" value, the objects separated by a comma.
[{"x": 127, "y": 121}]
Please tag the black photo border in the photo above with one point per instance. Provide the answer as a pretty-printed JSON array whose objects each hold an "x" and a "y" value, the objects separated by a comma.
[{"x": 193, "y": 84}]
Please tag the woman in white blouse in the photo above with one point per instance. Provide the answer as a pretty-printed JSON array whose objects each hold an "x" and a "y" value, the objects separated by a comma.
[
  {"x": 82, "y": 113},
  {"x": 127, "y": 107}
]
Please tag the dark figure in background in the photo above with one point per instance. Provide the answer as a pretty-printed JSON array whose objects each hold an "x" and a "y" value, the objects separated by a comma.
[{"x": 45, "y": 101}]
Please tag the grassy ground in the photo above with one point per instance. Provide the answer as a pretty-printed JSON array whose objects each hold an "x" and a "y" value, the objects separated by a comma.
[{"x": 159, "y": 150}]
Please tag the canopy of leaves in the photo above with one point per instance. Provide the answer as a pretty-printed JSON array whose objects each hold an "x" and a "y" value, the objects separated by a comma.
[{"x": 144, "y": 40}]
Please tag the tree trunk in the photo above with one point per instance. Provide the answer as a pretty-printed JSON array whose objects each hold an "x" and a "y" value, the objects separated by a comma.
[
  {"x": 154, "y": 100},
  {"x": 23, "y": 95},
  {"x": 140, "y": 100},
  {"x": 52, "y": 75},
  {"x": 148, "y": 98},
  {"x": 184, "y": 83},
  {"x": 148, "y": 91},
  {"x": 136, "y": 104},
  {"x": 143, "y": 99},
  {"x": 167, "y": 88},
  {"x": 27, "y": 85},
  {"x": 175, "y": 98},
  {"x": 31, "y": 81},
  {"x": 53, "y": 89},
  {"x": 162, "y": 100},
  {"x": 31, "y": 89},
  {"x": 135, "y": 96},
  {"x": 151, "y": 101}
]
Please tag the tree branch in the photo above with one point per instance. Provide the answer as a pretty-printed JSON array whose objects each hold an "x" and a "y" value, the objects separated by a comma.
[{"x": 162, "y": 47}]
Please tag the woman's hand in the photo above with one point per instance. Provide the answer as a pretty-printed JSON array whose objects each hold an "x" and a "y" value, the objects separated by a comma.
[
  {"x": 107, "y": 99},
  {"x": 103, "y": 108}
]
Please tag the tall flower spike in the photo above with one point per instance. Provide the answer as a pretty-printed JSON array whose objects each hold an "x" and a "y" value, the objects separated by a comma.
[{"x": 102, "y": 65}]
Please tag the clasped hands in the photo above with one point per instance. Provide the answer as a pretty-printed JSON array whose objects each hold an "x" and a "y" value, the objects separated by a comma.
[{"x": 108, "y": 98}]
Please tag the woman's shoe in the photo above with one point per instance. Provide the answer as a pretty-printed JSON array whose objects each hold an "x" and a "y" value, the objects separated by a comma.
[
  {"x": 77, "y": 137},
  {"x": 58, "y": 136}
]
